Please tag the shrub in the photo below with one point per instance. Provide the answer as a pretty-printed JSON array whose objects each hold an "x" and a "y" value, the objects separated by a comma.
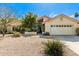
[
  {"x": 46, "y": 33},
  {"x": 77, "y": 31},
  {"x": 16, "y": 34},
  {"x": 9, "y": 32},
  {"x": 53, "y": 48}
]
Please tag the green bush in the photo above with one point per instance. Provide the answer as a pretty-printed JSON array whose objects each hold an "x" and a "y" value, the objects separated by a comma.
[
  {"x": 77, "y": 31},
  {"x": 53, "y": 48},
  {"x": 16, "y": 34}
]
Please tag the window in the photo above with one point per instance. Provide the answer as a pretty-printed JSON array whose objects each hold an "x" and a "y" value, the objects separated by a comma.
[
  {"x": 59, "y": 25},
  {"x": 70, "y": 25},
  {"x": 64, "y": 25},
  {"x": 53, "y": 25},
  {"x": 67, "y": 25}
]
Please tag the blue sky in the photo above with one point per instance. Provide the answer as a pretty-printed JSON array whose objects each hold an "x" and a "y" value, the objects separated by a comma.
[{"x": 41, "y": 9}]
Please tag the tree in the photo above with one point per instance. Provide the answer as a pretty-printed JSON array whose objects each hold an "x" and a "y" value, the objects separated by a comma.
[
  {"x": 29, "y": 21},
  {"x": 5, "y": 15}
]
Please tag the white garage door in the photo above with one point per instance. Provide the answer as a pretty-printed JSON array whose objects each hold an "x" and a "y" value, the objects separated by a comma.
[{"x": 62, "y": 30}]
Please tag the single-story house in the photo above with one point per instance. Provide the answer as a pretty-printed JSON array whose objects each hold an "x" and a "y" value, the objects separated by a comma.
[
  {"x": 13, "y": 24},
  {"x": 60, "y": 25}
]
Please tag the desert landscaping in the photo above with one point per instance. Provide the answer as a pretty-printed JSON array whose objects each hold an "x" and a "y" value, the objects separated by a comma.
[
  {"x": 25, "y": 46},
  {"x": 27, "y": 33},
  {"x": 21, "y": 46}
]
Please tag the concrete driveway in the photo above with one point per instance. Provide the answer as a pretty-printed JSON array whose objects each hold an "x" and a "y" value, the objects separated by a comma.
[
  {"x": 71, "y": 41},
  {"x": 68, "y": 38}
]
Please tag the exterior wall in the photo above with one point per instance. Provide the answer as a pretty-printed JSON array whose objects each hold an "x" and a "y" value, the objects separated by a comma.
[
  {"x": 59, "y": 21},
  {"x": 9, "y": 29},
  {"x": 47, "y": 27}
]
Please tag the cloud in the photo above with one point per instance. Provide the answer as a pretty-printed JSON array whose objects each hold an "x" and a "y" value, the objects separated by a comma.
[
  {"x": 52, "y": 15},
  {"x": 72, "y": 16}
]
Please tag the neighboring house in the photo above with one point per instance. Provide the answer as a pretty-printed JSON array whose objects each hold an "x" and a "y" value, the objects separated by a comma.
[
  {"x": 13, "y": 24},
  {"x": 60, "y": 25}
]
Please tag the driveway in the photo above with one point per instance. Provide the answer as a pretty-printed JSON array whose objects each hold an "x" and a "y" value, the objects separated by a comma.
[
  {"x": 68, "y": 38},
  {"x": 71, "y": 41}
]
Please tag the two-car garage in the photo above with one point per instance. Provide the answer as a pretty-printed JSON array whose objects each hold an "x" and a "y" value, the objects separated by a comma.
[
  {"x": 62, "y": 30},
  {"x": 61, "y": 25}
]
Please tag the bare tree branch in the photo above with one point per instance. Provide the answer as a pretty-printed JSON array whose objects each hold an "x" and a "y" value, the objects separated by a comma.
[{"x": 5, "y": 15}]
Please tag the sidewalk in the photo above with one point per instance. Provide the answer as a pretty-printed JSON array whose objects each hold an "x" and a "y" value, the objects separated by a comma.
[{"x": 74, "y": 46}]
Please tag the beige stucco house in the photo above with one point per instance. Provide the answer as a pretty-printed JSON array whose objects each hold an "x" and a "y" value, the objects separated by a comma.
[
  {"x": 13, "y": 24},
  {"x": 60, "y": 25}
]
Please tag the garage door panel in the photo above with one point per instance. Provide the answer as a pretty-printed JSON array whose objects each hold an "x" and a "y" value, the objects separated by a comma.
[{"x": 62, "y": 31}]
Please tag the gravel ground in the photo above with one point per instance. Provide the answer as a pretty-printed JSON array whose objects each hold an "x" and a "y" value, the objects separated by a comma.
[
  {"x": 29, "y": 46},
  {"x": 24, "y": 46}
]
